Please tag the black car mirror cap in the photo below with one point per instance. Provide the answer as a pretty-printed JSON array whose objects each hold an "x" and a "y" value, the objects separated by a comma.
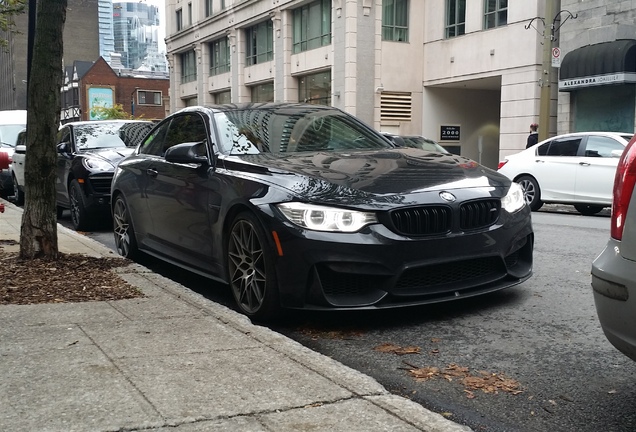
[{"x": 189, "y": 152}]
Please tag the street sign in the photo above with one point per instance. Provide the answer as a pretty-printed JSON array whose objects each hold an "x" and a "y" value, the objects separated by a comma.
[{"x": 556, "y": 57}]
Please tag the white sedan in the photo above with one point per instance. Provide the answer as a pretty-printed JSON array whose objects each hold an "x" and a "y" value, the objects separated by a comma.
[{"x": 576, "y": 168}]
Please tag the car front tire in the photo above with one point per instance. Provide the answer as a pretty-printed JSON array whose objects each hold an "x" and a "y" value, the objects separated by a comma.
[
  {"x": 18, "y": 195},
  {"x": 125, "y": 240},
  {"x": 251, "y": 270},
  {"x": 79, "y": 213},
  {"x": 588, "y": 209},
  {"x": 531, "y": 192}
]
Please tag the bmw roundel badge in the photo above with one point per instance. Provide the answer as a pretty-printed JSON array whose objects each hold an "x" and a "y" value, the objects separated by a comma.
[{"x": 447, "y": 196}]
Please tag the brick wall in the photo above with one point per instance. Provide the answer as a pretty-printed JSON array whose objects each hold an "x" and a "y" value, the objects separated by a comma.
[{"x": 102, "y": 75}]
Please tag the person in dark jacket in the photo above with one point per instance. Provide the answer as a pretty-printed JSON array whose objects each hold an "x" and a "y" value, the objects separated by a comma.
[{"x": 533, "y": 138}]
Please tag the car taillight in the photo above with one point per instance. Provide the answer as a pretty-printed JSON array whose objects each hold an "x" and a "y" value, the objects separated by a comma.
[
  {"x": 502, "y": 163},
  {"x": 623, "y": 187}
]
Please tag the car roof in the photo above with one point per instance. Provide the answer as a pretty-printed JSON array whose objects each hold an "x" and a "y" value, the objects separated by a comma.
[
  {"x": 266, "y": 106},
  {"x": 620, "y": 135},
  {"x": 92, "y": 122}
]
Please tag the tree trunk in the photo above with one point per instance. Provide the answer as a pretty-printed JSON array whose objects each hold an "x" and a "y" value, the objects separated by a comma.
[{"x": 38, "y": 233}]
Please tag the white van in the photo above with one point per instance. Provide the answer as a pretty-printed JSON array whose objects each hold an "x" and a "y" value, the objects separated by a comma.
[{"x": 11, "y": 123}]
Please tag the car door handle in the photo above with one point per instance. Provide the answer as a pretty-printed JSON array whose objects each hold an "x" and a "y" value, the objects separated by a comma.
[
  {"x": 540, "y": 161},
  {"x": 584, "y": 163},
  {"x": 151, "y": 172}
]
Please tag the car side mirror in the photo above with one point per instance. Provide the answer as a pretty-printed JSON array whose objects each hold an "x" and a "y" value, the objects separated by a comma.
[
  {"x": 191, "y": 152},
  {"x": 21, "y": 148},
  {"x": 64, "y": 147}
]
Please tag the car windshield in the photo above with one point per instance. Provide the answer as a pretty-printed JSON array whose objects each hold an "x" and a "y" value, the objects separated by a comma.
[
  {"x": 9, "y": 134},
  {"x": 254, "y": 131},
  {"x": 423, "y": 143},
  {"x": 110, "y": 134}
]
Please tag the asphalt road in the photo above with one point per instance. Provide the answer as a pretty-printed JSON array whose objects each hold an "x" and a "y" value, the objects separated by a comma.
[{"x": 542, "y": 335}]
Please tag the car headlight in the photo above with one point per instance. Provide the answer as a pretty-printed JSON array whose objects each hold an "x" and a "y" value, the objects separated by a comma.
[
  {"x": 514, "y": 199},
  {"x": 322, "y": 218},
  {"x": 97, "y": 165}
]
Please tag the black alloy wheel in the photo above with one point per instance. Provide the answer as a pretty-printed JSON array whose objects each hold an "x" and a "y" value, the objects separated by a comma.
[
  {"x": 79, "y": 214},
  {"x": 531, "y": 192},
  {"x": 251, "y": 270},
  {"x": 588, "y": 209},
  {"x": 18, "y": 195},
  {"x": 125, "y": 241}
]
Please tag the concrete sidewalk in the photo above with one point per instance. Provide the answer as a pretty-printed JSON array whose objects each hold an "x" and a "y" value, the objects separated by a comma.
[{"x": 174, "y": 361}]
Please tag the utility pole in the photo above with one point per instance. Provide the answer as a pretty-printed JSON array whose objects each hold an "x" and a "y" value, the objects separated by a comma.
[{"x": 546, "y": 79}]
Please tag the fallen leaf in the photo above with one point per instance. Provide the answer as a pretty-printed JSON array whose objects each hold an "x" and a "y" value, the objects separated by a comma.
[{"x": 611, "y": 392}]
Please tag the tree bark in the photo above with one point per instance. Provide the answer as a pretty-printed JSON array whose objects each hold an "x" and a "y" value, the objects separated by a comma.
[{"x": 38, "y": 233}]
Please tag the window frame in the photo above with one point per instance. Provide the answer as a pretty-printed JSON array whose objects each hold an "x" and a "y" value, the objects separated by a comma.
[
  {"x": 152, "y": 92},
  {"x": 496, "y": 13},
  {"x": 302, "y": 19},
  {"x": 186, "y": 58},
  {"x": 458, "y": 22},
  {"x": 305, "y": 89},
  {"x": 391, "y": 31},
  {"x": 179, "y": 19},
  {"x": 218, "y": 64},
  {"x": 252, "y": 43}
]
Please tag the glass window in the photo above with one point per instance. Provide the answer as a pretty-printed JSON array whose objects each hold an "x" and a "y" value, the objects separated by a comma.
[
  {"x": 315, "y": 88},
  {"x": 179, "y": 19},
  {"x": 223, "y": 97},
  {"x": 183, "y": 129},
  {"x": 496, "y": 13},
  {"x": 287, "y": 131},
  {"x": 188, "y": 67},
  {"x": 208, "y": 7},
  {"x": 153, "y": 144},
  {"x": 395, "y": 20},
  {"x": 455, "y": 18},
  {"x": 561, "y": 147},
  {"x": 600, "y": 146},
  {"x": 148, "y": 97},
  {"x": 109, "y": 134},
  {"x": 312, "y": 26},
  {"x": 263, "y": 92},
  {"x": 260, "y": 43},
  {"x": 219, "y": 56},
  {"x": 189, "y": 14}
]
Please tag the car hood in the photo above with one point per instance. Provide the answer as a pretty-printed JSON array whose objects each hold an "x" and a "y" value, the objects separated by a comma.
[
  {"x": 370, "y": 177},
  {"x": 112, "y": 155}
]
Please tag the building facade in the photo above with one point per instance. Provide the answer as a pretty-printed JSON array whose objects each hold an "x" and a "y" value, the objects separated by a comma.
[
  {"x": 81, "y": 42},
  {"x": 469, "y": 74},
  {"x": 88, "y": 85},
  {"x": 136, "y": 32},
  {"x": 597, "y": 77},
  {"x": 106, "y": 36}
]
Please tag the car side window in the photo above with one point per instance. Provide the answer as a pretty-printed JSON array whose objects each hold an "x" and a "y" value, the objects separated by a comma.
[
  {"x": 185, "y": 128},
  {"x": 564, "y": 147},
  {"x": 601, "y": 146},
  {"x": 542, "y": 150},
  {"x": 153, "y": 143}
]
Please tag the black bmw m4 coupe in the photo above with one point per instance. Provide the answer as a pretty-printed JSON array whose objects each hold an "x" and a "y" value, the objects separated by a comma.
[{"x": 304, "y": 206}]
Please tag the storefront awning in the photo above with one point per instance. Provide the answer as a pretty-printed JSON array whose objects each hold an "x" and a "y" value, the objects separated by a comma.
[{"x": 599, "y": 64}]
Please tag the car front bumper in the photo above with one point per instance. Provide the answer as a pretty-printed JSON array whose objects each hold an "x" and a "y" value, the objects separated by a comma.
[
  {"x": 377, "y": 268},
  {"x": 614, "y": 288}
]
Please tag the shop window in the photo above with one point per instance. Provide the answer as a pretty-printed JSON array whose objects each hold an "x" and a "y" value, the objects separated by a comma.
[
  {"x": 315, "y": 88},
  {"x": 263, "y": 92}
]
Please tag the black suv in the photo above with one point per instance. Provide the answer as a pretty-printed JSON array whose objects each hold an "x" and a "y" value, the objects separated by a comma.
[{"x": 88, "y": 152}]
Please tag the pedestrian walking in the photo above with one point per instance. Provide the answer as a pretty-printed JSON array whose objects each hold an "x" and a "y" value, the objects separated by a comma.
[{"x": 533, "y": 138}]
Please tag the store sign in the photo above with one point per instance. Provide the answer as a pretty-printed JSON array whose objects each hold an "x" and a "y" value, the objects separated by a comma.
[
  {"x": 449, "y": 133},
  {"x": 617, "y": 78}
]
